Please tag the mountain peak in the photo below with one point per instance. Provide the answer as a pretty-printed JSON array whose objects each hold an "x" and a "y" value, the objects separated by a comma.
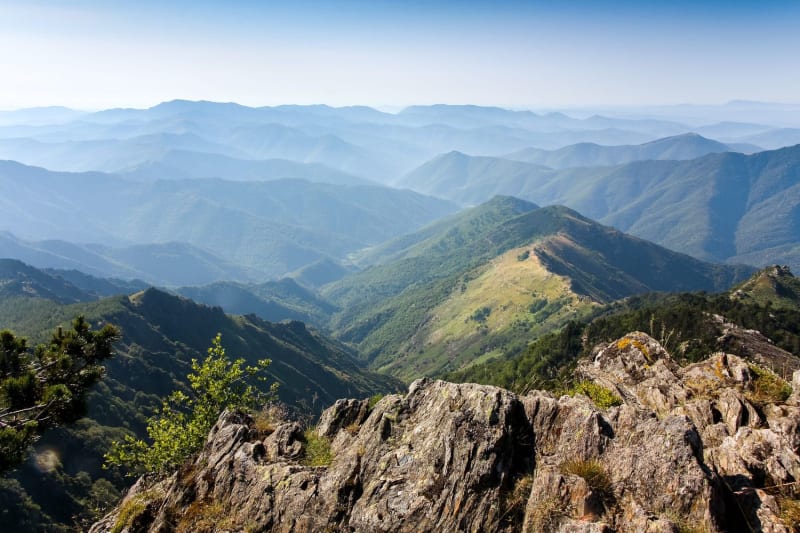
[{"x": 774, "y": 285}]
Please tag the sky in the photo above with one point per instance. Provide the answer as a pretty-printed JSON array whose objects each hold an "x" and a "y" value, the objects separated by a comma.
[{"x": 94, "y": 54}]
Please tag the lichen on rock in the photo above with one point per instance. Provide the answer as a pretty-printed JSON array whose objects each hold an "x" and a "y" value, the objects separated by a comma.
[{"x": 687, "y": 450}]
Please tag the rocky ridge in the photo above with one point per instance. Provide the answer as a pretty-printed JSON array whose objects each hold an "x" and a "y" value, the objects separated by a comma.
[{"x": 654, "y": 447}]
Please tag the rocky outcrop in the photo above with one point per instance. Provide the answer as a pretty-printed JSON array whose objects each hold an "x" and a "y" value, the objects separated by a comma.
[{"x": 708, "y": 447}]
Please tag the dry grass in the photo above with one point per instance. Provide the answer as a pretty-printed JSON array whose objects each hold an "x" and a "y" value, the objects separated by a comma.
[
  {"x": 269, "y": 418},
  {"x": 592, "y": 471},
  {"x": 134, "y": 508},
  {"x": 203, "y": 516},
  {"x": 546, "y": 515}
]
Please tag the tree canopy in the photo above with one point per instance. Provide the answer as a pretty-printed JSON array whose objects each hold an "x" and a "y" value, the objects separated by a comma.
[{"x": 47, "y": 386}]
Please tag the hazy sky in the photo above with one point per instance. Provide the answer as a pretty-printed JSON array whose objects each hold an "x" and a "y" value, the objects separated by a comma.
[{"x": 97, "y": 54}]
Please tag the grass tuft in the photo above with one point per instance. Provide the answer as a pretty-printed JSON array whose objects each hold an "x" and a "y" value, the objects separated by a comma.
[
  {"x": 602, "y": 397},
  {"x": 317, "y": 449},
  {"x": 592, "y": 471}
]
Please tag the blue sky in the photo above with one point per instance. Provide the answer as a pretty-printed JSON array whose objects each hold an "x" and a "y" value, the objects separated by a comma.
[{"x": 93, "y": 54}]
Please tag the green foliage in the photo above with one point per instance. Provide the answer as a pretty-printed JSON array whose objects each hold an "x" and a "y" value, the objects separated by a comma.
[
  {"x": 47, "y": 387},
  {"x": 767, "y": 387},
  {"x": 602, "y": 397},
  {"x": 542, "y": 365},
  {"x": 480, "y": 315},
  {"x": 317, "y": 449},
  {"x": 682, "y": 323},
  {"x": 373, "y": 400},
  {"x": 183, "y": 422}
]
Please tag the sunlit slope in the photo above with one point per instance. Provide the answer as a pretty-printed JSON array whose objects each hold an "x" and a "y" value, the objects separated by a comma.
[
  {"x": 442, "y": 298},
  {"x": 514, "y": 297}
]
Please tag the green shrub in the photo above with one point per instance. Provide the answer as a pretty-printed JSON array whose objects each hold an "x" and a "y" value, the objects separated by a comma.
[
  {"x": 481, "y": 314},
  {"x": 181, "y": 427},
  {"x": 767, "y": 387},
  {"x": 601, "y": 396},
  {"x": 373, "y": 401},
  {"x": 317, "y": 449}
]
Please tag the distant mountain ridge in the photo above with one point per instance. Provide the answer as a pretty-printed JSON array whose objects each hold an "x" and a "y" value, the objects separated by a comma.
[
  {"x": 679, "y": 147},
  {"x": 719, "y": 207},
  {"x": 266, "y": 229},
  {"x": 184, "y": 164},
  {"x": 358, "y": 141}
]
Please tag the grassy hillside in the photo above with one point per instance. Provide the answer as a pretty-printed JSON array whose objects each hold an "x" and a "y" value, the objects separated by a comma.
[
  {"x": 683, "y": 323},
  {"x": 501, "y": 272},
  {"x": 775, "y": 287}
]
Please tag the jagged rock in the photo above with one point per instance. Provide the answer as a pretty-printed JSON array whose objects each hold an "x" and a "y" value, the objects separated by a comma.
[
  {"x": 686, "y": 448},
  {"x": 285, "y": 442},
  {"x": 343, "y": 414},
  {"x": 794, "y": 399},
  {"x": 754, "y": 346}
]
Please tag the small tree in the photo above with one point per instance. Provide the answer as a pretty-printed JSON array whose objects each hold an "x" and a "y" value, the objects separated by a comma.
[
  {"x": 47, "y": 387},
  {"x": 181, "y": 426}
]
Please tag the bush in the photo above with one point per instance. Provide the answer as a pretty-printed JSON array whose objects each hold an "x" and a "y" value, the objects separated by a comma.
[
  {"x": 317, "y": 449},
  {"x": 767, "y": 387},
  {"x": 373, "y": 401},
  {"x": 181, "y": 426},
  {"x": 602, "y": 397}
]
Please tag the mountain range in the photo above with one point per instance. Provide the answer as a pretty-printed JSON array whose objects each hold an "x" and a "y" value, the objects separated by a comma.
[
  {"x": 359, "y": 141},
  {"x": 679, "y": 147},
  {"x": 267, "y": 227},
  {"x": 720, "y": 207},
  {"x": 361, "y": 249}
]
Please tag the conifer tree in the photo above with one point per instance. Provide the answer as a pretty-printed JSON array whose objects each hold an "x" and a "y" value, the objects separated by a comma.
[{"x": 47, "y": 386}]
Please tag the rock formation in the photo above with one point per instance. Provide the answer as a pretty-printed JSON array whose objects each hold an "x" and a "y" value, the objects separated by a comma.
[{"x": 708, "y": 447}]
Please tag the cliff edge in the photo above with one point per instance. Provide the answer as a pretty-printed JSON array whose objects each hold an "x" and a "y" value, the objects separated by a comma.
[{"x": 650, "y": 447}]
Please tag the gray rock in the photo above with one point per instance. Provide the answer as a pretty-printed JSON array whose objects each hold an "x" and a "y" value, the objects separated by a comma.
[{"x": 686, "y": 448}]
